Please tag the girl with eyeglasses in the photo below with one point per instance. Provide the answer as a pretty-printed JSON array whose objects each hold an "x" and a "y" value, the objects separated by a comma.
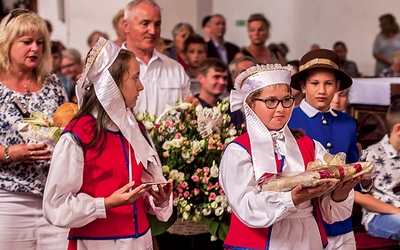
[{"x": 266, "y": 219}]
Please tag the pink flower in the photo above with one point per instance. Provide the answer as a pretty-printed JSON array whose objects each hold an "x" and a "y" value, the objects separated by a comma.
[
  {"x": 205, "y": 180},
  {"x": 212, "y": 196},
  {"x": 178, "y": 136},
  {"x": 206, "y": 170},
  {"x": 195, "y": 178},
  {"x": 210, "y": 147},
  {"x": 216, "y": 136},
  {"x": 210, "y": 186},
  {"x": 180, "y": 195},
  {"x": 220, "y": 146},
  {"x": 217, "y": 185},
  {"x": 221, "y": 192},
  {"x": 196, "y": 191},
  {"x": 198, "y": 170},
  {"x": 168, "y": 123},
  {"x": 163, "y": 133},
  {"x": 175, "y": 194},
  {"x": 186, "y": 194},
  {"x": 180, "y": 190},
  {"x": 181, "y": 127},
  {"x": 184, "y": 184},
  {"x": 165, "y": 154}
]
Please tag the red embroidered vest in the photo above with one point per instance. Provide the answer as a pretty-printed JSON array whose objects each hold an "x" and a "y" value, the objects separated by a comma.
[
  {"x": 241, "y": 236},
  {"x": 103, "y": 174}
]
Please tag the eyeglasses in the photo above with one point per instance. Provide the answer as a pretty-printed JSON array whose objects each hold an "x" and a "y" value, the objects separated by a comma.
[
  {"x": 273, "y": 103},
  {"x": 18, "y": 12}
]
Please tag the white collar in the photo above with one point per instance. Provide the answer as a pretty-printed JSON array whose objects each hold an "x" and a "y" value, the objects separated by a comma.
[{"x": 310, "y": 111}]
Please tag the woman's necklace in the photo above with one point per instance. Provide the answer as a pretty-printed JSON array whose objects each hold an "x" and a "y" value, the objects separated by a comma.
[{"x": 26, "y": 87}]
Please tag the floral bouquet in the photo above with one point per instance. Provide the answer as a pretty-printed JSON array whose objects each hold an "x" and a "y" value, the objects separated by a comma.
[
  {"x": 37, "y": 128},
  {"x": 190, "y": 141}
]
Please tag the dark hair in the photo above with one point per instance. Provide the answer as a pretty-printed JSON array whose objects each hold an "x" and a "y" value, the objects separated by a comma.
[
  {"x": 295, "y": 64},
  {"x": 214, "y": 63},
  {"x": 96, "y": 32},
  {"x": 388, "y": 24},
  {"x": 340, "y": 43},
  {"x": 258, "y": 17},
  {"x": 393, "y": 115},
  {"x": 205, "y": 20},
  {"x": 194, "y": 39},
  {"x": 90, "y": 101}
]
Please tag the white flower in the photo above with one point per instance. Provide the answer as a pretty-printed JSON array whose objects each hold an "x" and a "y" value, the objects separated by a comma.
[
  {"x": 213, "y": 238},
  {"x": 228, "y": 209},
  {"x": 219, "y": 211},
  {"x": 214, "y": 204},
  {"x": 185, "y": 215},
  {"x": 148, "y": 125},
  {"x": 187, "y": 208},
  {"x": 180, "y": 177},
  {"x": 199, "y": 108},
  {"x": 185, "y": 155},
  {"x": 140, "y": 117},
  {"x": 219, "y": 198},
  {"x": 184, "y": 105},
  {"x": 165, "y": 169},
  {"x": 228, "y": 140},
  {"x": 206, "y": 211},
  {"x": 175, "y": 201},
  {"x": 232, "y": 132},
  {"x": 167, "y": 145},
  {"x": 214, "y": 171},
  {"x": 224, "y": 204}
]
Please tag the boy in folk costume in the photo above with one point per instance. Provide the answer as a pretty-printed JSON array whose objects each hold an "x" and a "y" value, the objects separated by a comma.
[
  {"x": 265, "y": 219},
  {"x": 319, "y": 78},
  {"x": 96, "y": 185}
]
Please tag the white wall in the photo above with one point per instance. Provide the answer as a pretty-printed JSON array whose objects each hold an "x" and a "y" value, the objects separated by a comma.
[
  {"x": 302, "y": 23},
  {"x": 83, "y": 17},
  {"x": 298, "y": 23}
]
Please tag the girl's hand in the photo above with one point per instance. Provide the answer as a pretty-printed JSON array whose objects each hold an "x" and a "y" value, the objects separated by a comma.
[
  {"x": 301, "y": 194},
  {"x": 29, "y": 152},
  {"x": 125, "y": 196},
  {"x": 162, "y": 194},
  {"x": 341, "y": 192}
]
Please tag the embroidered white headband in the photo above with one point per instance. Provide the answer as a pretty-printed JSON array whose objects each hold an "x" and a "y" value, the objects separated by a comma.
[{"x": 255, "y": 78}]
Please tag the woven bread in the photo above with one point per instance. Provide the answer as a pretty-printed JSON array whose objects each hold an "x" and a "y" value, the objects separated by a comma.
[{"x": 64, "y": 114}]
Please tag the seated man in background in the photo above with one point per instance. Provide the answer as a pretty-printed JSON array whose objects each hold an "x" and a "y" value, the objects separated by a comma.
[
  {"x": 381, "y": 213},
  {"x": 347, "y": 66},
  {"x": 213, "y": 79}
]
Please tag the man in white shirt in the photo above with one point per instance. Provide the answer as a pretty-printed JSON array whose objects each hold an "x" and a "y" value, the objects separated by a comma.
[{"x": 164, "y": 79}]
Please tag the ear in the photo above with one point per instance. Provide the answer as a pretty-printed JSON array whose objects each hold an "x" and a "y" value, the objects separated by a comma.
[
  {"x": 303, "y": 87},
  {"x": 396, "y": 129},
  {"x": 338, "y": 85},
  {"x": 200, "y": 78}
]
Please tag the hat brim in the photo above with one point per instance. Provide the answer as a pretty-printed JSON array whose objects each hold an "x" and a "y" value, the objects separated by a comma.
[{"x": 345, "y": 79}]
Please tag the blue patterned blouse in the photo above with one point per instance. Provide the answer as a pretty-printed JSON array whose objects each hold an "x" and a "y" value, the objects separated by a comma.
[{"x": 26, "y": 176}]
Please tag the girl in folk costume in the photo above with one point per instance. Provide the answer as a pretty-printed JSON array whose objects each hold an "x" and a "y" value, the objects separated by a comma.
[
  {"x": 100, "y": 167},
  {"x": 265, "y": 219}
]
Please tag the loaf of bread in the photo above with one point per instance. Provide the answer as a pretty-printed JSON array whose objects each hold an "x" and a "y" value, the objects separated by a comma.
[{"x": 64, "y": 114}]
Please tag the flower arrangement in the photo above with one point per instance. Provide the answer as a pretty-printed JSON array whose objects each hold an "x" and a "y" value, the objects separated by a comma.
[
  {"x": 190, "y": 141},
  {"x": 37, "y": 128}
]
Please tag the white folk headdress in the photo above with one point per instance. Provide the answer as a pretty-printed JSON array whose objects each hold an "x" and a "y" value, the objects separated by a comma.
[
  {"x": 262, "y": 144},
  {"x": 96, "y": 75}
]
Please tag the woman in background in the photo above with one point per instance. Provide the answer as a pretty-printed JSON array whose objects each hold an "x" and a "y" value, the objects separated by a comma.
[{"x": 25, "y": 86}]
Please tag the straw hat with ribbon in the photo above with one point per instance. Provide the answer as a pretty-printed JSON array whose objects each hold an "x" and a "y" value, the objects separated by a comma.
[{"x": 321, "y": 58}]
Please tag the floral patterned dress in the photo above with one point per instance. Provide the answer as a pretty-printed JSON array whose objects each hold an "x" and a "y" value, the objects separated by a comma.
[{"x": 26, "y": 176}]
